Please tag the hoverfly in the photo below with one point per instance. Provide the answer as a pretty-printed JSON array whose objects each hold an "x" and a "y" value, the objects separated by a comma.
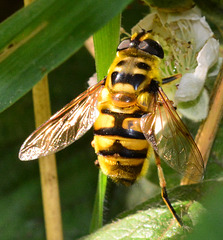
[{"x": 130, "y": 113}]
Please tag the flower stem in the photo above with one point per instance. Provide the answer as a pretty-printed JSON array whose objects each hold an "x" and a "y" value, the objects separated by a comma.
[
  {"x": 207, "y": 131},
  {"x": 48, "y": 169}
]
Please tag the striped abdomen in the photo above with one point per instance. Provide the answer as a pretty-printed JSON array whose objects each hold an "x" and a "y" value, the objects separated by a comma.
[
  {"x": 120, "y": 145},
  {"x": 118, "y": 141}
]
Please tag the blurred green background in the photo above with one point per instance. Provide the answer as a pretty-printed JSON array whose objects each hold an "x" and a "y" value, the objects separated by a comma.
[{"x": 20, "y": 193}]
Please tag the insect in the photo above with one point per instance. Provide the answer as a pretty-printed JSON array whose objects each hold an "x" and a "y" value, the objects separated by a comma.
[{"x": 131, "y": 115}]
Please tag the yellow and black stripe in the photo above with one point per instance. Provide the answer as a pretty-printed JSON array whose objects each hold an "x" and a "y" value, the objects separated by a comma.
[
  {"x": 121, "y": 148},
  {"x": 118, "y": 139}
]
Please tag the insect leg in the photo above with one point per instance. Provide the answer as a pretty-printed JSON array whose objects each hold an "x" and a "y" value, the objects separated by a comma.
[
  {"x": 163, "y": 190},
  {"x": 171, "y": 78}
]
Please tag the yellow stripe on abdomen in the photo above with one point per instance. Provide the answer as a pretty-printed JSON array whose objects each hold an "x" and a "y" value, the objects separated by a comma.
[{"x": 122, "y": 159}]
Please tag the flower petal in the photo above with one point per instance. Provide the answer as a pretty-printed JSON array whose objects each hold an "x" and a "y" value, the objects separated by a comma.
[
  {"x": 201, "y": 32},
  {"x": 204, "y": 57},
  {"x": 196, "y": 110},
  {"x": 191, "y": 84},
  {"x": 189, "y": 88}
]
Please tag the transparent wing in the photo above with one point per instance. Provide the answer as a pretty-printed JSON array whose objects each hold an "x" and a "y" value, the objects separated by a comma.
[
  {"x": 64, "y": 127},
  {"x": 172, "y": 141}
]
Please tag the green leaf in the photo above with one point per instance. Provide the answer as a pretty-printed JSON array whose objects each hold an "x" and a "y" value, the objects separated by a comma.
[
  {"x": 152, "y": 219},
  {"x": 138, "y": 226},
  {"x": 41, "y": 36}
]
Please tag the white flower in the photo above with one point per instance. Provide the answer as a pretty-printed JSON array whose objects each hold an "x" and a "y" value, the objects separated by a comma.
[{"x": 190, "y": 49}]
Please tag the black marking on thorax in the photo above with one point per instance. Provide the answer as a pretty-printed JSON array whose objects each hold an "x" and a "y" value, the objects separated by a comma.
[
  {"x": 121, "y": 63},
  {"x": 133, "y": 79},
  {"x": 142, "y": 65}
]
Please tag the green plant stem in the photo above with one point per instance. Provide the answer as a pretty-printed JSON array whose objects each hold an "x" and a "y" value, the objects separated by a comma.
[
  {"x": 105, "y": 44},
  {"x": 97, "y": 216}
]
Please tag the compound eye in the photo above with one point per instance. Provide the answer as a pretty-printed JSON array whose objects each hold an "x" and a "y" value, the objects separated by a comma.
[
  {"x": 124, "y": 44},
  {"x": 152, "y": 47}
]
